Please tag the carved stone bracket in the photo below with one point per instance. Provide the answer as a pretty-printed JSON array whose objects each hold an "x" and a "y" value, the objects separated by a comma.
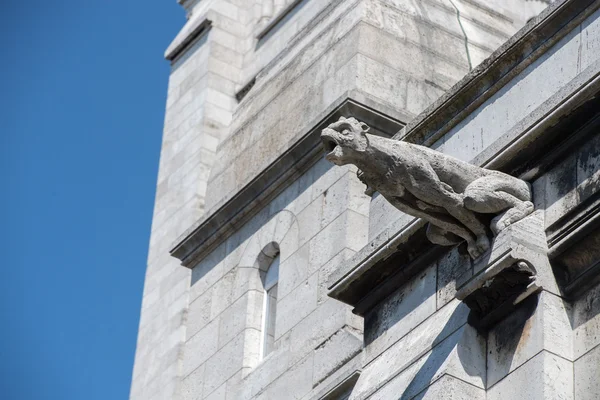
[{"x": 516, "y": 267}]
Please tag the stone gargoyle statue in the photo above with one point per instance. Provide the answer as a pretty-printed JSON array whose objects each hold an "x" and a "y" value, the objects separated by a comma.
[{"x": 458, "y": 199}]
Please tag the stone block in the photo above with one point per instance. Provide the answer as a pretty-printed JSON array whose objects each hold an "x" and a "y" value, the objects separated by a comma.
[
  {"x": 200, "y": 347},
  {"x": 233, "y": 320},
  {"x": 401, "y": 312},
  {"x": 560, "y": 192},
  {"x": 461, "y": 355},
  {"x": 219, "y": 394},
  {"x": 191, "y": 385},
  {"x": 293, "y": 271},
  {"x": 198, "y": 313},
  {"x": 587, "y": 371},
  {"x": 452, "y": 271},
  {"x": 293, "y": 384},
  {"x": 381, "y": 215},
  {"x": 451, "y": 388},
  {"x": 328, "y": 269},
  {"x": 588, "y": 168},
  {"x": 335, "y": 352},
  {"x": 590, "y": 40},
  {"x": 322, "y": 323},
  {"x": 514, "y": 101},
  {"x": 296, "y": 305},
  {"x": 222, "y": 294},
  {"x": 545, "y": 376},
  {"x": 586, "y": 322},
  {"x": 309, "y": 220},
  {"x": 349, "y": 230},
  {"x": 417, "y": 342},
  {"x": 207, "y": 272},
  {"x": 538, "y": 325},
  {"x": 224, "y": 364},
  {"x": 246, "y": 279},
  {"x": 515, "y": 267}
]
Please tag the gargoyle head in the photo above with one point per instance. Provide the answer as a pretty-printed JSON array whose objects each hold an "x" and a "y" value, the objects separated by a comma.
[{"x": 344, "y": 140}]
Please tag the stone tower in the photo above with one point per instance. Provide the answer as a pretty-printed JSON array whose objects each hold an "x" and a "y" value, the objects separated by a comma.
[{"x": 272, "y": 275}]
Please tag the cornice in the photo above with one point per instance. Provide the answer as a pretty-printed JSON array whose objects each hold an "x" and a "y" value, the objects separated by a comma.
[{"x": 193, "y": 29}]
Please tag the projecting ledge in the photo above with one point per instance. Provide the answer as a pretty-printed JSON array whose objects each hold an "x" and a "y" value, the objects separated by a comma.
[{"x": 514, "y": 268}]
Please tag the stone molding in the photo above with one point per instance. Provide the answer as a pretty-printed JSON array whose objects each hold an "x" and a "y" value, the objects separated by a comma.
[
  {"x": 520, "y": 51},
  {"x": 217, "y": 226},
  {"x": 271, "y": 21},
  {"x": 399, "y": 252},
  {"x": 193, "y": 29},
  {"x": 512, "y": 271}
]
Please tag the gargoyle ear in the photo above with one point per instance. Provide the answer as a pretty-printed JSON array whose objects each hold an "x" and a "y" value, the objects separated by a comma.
[{"x": 364, "y": 127}]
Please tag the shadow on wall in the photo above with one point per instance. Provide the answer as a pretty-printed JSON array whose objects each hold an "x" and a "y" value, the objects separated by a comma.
[
  {"x": 468, "y": 346},
  {"x": 471, "y": 349}
]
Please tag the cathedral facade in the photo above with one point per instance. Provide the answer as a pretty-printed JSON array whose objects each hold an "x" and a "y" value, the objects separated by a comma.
[{"x": 377, "y": 199}]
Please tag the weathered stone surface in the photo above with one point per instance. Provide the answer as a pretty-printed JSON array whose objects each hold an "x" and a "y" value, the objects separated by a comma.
[
  {"x": 335, "y": 352},
  {"x": 461, "y": 355},
  {"x": 419, "y": 340},
  {"x": 538, "y": 325},
  {"x": 545, "y": 376},
  {"x": 445, "y": 191},
  {"x": 191, "y": 387},
  {"x": 395, "y": 57},
  {"x": 451, "y": 388},
  {"x": 587, "y": 371},
  {"x": 586, "y": 322},
  {"x": 400, "y": 313},
  {"x": 453, "y": 270}
]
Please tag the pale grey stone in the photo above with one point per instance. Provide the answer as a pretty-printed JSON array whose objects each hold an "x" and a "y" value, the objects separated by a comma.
[
  {"x": 199, "y": 313},
  {"x": 219, "y": 394},
  {"x": 349, "y": 230},
  {"x": 417, "y": 342},
  {"x": 451, "y": 388},
  {"x": 191, "y": 386},
  {"x": 461, "y": 355},
  {"x": 324, "y": 321},
  {"x": 534, "y": 327},
  {"x": 224, "y": 364},
  {"x": 431, "y": 185},
  {"x": 327, "y": 269},
  {"x": 452, "y": 271},
  {"x": 587, "y": 371},
  {"x": 401, "y": 312},
  {"x": 294, "y": 384},
  {"x": 201, "y": 347},
  {"x": 335, "y": 352},
  {"x": 296, "y": 305},
  {"x": 234, "y": 319},
  {"x": 545, "y": 376},
  {"x": 381, "y": 61},
  {"x": 586, "y": 322},
  {"x": 293, "y": 271}
]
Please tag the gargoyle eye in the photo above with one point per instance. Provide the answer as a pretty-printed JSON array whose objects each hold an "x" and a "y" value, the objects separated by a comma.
[{"x": 346, "y": 132}]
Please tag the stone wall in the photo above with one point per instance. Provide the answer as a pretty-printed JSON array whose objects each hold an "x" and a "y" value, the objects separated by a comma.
[{"x": 200, "y": 326}]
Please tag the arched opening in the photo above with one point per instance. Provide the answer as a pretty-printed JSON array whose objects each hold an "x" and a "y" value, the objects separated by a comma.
[{"x": 269, "y": 314}]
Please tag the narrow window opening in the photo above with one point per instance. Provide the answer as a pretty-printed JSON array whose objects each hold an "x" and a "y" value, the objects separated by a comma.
[{"x": 270, "y": 281}]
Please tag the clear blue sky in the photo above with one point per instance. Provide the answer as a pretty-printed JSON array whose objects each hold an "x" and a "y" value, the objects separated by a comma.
[{"x": 82, "y": 108}]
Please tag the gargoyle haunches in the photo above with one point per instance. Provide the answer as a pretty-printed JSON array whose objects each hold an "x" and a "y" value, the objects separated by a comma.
[{"x": 448, "y": 193}]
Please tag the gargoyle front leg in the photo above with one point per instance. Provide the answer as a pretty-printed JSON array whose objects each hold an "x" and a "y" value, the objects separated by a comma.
[
  {"x": 426, "y": 186},
  {"x": 408, "y": 204}
]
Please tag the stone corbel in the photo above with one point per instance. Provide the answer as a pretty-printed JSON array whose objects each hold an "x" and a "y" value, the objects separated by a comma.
[{"x": 516, "y": 267}]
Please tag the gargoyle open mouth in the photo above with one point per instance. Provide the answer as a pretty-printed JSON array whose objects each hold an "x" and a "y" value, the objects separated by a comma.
[{"x": 329, "y": 145}]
